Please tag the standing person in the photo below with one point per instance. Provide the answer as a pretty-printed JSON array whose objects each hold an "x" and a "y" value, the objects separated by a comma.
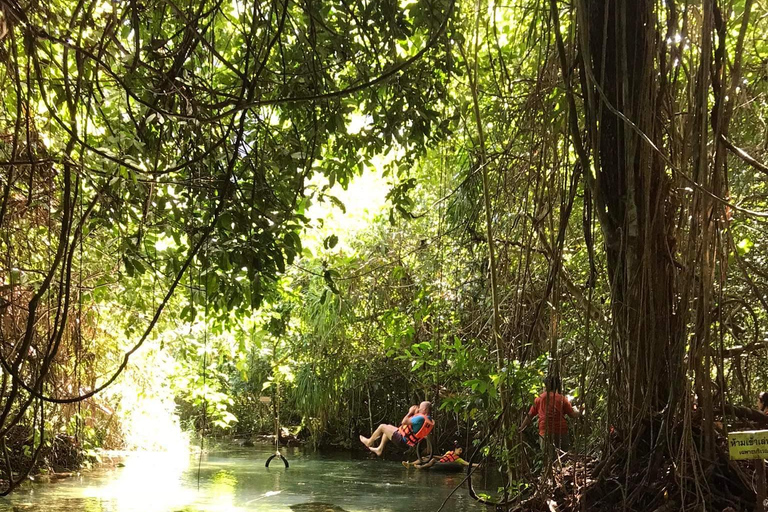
[
  {"x": 416, "y": 425},
  {"x": 551, "y": 407},
  {"x": 762, "y": 402}
]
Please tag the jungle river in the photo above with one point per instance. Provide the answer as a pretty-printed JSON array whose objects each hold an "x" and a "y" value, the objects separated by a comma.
[{"x": 236, "y": 480}]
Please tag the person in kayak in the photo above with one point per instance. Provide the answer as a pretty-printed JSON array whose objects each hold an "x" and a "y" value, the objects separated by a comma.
[
  {"x": 416, "y": 425},
  {"x": 450, "y": 457}
]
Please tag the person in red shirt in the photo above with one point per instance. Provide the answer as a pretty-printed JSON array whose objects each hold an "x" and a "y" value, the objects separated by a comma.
[{"x": 551, "y": 407}]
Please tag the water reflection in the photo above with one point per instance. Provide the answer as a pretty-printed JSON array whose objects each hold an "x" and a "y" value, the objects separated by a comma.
[{"x": 238, "y": 481}]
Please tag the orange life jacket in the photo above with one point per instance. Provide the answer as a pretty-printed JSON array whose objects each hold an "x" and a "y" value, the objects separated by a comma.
[
  {"x": 449, "y": 457},
  {"x": 406, "y": 431}
]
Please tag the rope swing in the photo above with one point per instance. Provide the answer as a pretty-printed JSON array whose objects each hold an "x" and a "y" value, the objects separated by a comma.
[
  {"x": 503, "y": 420},
  {"x": 276, "y": 409}
]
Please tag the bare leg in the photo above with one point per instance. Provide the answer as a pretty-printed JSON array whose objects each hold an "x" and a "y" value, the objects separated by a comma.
[
  {"x": 414, "y": 464},
  {"x": 427, "y": 464},
  {"x": 388, "y": 431},
  {"x": 368, "y": 441}
]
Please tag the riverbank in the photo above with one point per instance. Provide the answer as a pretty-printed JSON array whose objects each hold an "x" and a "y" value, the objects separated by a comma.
[{"x": 60, "y": 457}]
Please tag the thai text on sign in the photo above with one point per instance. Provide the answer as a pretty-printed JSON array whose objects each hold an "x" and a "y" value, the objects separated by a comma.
[{"x": 750, "y": 444}]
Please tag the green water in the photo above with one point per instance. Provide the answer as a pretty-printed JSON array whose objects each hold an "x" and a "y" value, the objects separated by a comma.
[{"x": 235, "y": 481}]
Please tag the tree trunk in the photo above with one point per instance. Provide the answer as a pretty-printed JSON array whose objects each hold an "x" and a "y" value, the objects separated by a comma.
[{"x": 633, "y": 191}]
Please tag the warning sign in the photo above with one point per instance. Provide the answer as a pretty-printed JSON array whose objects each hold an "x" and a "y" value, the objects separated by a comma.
[{"x": 750, "y": 444}]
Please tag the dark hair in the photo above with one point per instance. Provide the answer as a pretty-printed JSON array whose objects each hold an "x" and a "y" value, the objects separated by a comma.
[
  {"x": 553, "y": 383},
  {"x": 763, "y": 400}
]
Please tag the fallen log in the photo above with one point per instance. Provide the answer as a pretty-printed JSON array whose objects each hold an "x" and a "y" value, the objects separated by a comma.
[
  {"x": 747, "y": 414},
  {"x": 745, "y": 349}
]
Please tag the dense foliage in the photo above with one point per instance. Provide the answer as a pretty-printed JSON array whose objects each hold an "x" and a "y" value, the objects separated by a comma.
[{"x": 570, "y": 188}]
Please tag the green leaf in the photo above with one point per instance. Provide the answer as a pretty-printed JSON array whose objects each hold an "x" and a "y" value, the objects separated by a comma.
[
  {"x": 331, "y": 241},
  {"x": 744, "y": 246}
]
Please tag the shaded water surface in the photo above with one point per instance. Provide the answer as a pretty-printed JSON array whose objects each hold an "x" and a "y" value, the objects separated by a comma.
[{"x": 235, "y": 481}]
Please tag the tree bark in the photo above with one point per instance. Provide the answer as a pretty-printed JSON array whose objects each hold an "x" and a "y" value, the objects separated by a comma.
[{"x": 630, "y": 183}]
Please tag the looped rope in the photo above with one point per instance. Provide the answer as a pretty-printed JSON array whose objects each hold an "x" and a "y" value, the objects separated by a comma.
[
  {"x": 277, "y": 423},
  {"x": 280, "y": 456}
]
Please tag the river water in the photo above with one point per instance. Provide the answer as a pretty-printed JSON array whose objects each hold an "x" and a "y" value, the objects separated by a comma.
[{"x": 234, "y": 481}]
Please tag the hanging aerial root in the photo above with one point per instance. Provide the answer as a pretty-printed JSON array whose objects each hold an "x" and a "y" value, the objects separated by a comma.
[{"x": 657, "y": 481}]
